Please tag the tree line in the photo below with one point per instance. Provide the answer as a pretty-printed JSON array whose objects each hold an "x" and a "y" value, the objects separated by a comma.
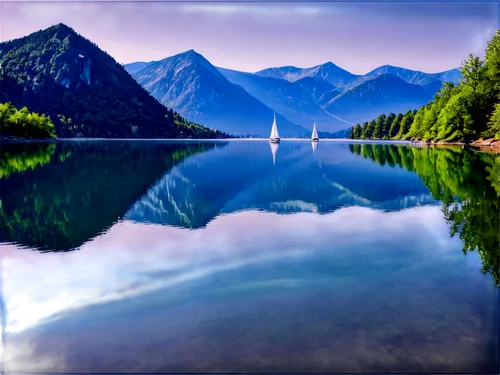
[
  {"x": 463, "y": 112},
  {"x": 23, "y": 123}
]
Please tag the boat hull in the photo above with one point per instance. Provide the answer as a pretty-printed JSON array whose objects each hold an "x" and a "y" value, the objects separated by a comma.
[
  {"x": 315, "y": 140},
  {"x": 274, "y": 140}
]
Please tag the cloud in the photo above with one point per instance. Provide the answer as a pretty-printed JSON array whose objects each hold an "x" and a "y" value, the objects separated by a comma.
[{"x": 127, "y": 260}]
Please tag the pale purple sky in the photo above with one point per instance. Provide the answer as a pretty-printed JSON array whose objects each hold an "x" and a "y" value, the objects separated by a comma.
[{"x": 249, "y": 36}]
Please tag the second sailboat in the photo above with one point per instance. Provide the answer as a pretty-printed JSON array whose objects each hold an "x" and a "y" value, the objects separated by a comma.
[
  {"x": 275, "y": 137},
  {"x": 314, "y": 136}
]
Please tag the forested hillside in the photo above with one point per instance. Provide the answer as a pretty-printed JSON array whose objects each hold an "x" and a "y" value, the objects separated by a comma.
[
  {"x": 467, "y": 111},
  {"x": 83, "y": 90}
]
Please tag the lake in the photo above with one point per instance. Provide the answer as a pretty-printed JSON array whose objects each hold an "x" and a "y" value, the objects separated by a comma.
[{"x": 239, "y": 256}]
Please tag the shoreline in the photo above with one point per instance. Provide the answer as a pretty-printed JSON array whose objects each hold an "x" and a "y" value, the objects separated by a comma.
[
  {"x": 20, "y": 139},
  {"x": 254, "y": 139},
  {"x": 490, "y": 145}
]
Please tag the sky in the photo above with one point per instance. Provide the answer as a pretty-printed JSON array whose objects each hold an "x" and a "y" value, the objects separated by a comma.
[{"x": 250, "y": 36}]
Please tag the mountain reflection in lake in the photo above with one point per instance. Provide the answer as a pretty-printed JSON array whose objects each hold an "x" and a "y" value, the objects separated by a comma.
[{"x": 234, "y": 257}]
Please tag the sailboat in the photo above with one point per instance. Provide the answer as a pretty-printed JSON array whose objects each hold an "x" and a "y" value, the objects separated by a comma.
[
  {"x": 275, "y": 137},
  {"x": 314, "y": 136}
]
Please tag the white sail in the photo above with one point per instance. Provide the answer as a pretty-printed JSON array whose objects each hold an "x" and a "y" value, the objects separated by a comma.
[
  {"x": 274, "y": 130},
  {"x": 314, "y": 133},
  {"x": 274, "y": 150}
]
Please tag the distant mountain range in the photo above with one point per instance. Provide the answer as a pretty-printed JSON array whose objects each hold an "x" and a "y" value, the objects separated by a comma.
[
  {"x": 85, "y": 91},
  {"x": 242, "y": 103}
]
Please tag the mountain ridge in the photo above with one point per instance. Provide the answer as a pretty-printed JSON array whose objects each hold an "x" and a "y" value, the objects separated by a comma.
[
  {"x": 382, "y": 94},
  {"x": 290, "y": 99},
  {"x": 191, "y": 85},
  {"x": 328, "y": 72},
  {"x": 305, "y": 95}
]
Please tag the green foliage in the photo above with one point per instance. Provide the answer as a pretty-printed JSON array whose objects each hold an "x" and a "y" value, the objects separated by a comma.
[
  {"x": 494, "y": 124},
  {"x": 357, "y": 131},
  {"x": 395, "y": 129},
  {"x": 367, "y": 130},
  {"x": 23, "y": 123},
  {"x": 85, "y": 91},
  {"x": 387, "y": 125},
  {"x": 455, "y": 121},
  {"x": 464, "y": 112},
  {"x": 404, "y": 124},
  {"x": 379, "y": 126},
  {"x": 468, "y": 184},
  {"x": 473, "y": 72}
]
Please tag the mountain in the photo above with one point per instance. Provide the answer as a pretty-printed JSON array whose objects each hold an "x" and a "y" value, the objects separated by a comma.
[
  {"x": 326, "y": 94},
  {"x": 327, "y": 97},
  {"x": 383, "y": 94},
  {"x": 191, "y": 85},
  {"x": 432, "y": 86},
  {"x": 414, "y": 76},
  {"x": 294, "y": 100},
  {"x": 344, "y": 133},
  {"x": 328, "y": 72},
  {"x": 84, "y": 90},
  {"x": 314, "y": 87},
  {"x": 136, "y": 66}
]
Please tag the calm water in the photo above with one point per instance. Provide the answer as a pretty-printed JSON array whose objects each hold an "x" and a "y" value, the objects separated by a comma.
[{"x": 238, "y": 257}]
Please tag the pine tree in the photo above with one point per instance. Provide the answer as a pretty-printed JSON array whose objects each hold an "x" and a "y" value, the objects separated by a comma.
[{"x": 394, "y": 131}]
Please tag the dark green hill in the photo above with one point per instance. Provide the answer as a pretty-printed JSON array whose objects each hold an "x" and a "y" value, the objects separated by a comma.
[{"x": 85, "y": 91}]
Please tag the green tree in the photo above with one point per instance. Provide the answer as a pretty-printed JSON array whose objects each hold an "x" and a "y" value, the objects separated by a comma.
[
  {"x": 379, "y": 124},
  {"x": 394, "y": 130},
  {"x": 416, "y": 126},
  {"x": 368, "y": 131},
  {"x": 473, "y": 72},
  {"x": 455, "y": 121},
  {"x": 387, "y": 125},
  {"x": 494, "y": 124},
  {"x": 493, "y": 62},
  {"x": 363, "y": 130},
  {"x": 356, "y": 131},
  {"x": 405, "y": 124}
]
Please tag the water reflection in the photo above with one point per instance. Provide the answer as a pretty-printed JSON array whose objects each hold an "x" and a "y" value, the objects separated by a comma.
[
  {"x": 466, "y": 182},
  {"x": 274, "y": 151},
  {"x": 314, "y": 146},
  {"x": 224, "y": 182},
  {"x": 58, "y": 197},
  {"x": 211, "y": 259}
]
